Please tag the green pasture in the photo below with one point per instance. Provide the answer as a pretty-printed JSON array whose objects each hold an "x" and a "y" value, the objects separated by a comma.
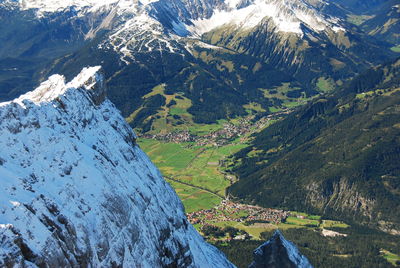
[{"x": 198, "y": 166}]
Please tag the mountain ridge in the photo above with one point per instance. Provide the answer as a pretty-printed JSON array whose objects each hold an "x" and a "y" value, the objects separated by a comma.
[{"x": 77, "y": 190}]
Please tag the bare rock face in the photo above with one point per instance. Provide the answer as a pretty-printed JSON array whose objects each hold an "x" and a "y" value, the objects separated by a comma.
[
  {"x": 279, "y": 253},
  {"x": 77, "y": 191},
  {"x": 341, "y": 196}
]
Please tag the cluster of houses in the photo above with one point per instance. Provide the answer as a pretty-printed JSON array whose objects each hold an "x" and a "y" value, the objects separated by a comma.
[
  {"x": 222, "y": 136},
  {"x": 219, "y": 137},
  {"x": 231, "y": 211},
  {"x": 176, "y": 137},
  {"x": 228, "y": 132}
]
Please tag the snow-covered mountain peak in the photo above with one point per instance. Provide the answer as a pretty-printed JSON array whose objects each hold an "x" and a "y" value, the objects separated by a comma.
[
  {"x": 59, "y": 5},
  {"x": 43, "y": 7},
  {"x": 288, "y": 16},
  {"x": 133, "y": 28},
  {"x": 55, "y": 86},
  {"x": 77, "y": 191}
]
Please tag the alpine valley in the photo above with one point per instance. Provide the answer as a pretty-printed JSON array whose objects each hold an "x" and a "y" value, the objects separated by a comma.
[{"x": 261, "y": 115}]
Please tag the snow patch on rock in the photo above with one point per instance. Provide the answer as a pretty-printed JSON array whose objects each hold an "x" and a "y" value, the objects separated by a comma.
[{"x": 55, "y": 86}]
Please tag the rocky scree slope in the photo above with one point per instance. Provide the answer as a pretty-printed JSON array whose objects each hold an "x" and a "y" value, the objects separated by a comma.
[{"x": 77, "y": 191}]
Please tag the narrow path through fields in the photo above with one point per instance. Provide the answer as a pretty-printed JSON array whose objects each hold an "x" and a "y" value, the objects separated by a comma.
[
  {"x": 194, "y": 158},
  {"x": 194, "y": 186}
]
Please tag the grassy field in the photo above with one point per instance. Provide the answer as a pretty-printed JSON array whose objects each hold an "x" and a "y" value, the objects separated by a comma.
[
  {"x": 358, "y": 20},
  {"x": 301, "y": 222},
  {"x": 325, "y": 85},
  {"x": 194, "y": 199},
  {"x": 391, "y": 257},
  {"x": 274, "y": 109},
  {"x": 198, "y": 179},
  {"x": 256, "y": 229},
  {"x": 396, "y": 48},
  {"x": 253, "y": 108},
  {"x": 197, "y": 167}
]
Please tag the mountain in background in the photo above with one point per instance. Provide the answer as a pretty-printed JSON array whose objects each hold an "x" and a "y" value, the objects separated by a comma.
[
  {"x": 76, "y": 190},
  {"x": 336, "y": 156},
  {"x": 210, "y": 59}
]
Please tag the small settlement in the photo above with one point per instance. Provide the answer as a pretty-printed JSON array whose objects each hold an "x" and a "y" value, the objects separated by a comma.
[
  {"x": 219, "y": 137},
  {"x": 231, "y": 211}
]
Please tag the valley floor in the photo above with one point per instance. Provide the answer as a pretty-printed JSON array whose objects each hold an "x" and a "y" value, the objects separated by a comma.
[{"x": 195, "y": 164}]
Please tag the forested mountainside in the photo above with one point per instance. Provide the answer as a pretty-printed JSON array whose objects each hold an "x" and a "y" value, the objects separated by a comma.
[
  {"x": 336, "y": 156},
  {"x": 384, "y": 24},
  {"x": 360, "y": 6}
]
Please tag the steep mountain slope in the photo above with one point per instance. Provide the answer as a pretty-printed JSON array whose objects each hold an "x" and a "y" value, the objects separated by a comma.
[
  {"x": 337, "y": 156},
  {"x": 385, "y": 24},
  {"x": 76, "y": 190},
  {"x": 378, "y": 19},
  {"x": 229, "y": 52},
  {"x": 278, "y": 253},
  {"x": 360, "y": 6},
  {"x": 298, "y": 37}
]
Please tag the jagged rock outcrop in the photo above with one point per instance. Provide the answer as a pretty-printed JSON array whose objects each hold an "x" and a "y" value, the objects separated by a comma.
[
  {"x": 77, "y": 191},
  {"x": 279, "y": 253}
]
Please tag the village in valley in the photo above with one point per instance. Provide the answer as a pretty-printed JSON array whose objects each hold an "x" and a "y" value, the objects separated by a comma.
[
  {"x": 230, "y": 211},
  {"x": 235, "y": 221},
  {"x": 229, "y": 214},
  {"x": 200, "y": 178},
  {"x": 221, "y": 136}
]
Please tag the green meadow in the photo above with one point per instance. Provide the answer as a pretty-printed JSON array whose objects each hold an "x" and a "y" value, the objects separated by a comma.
[
  {"x": 194, "y": 171},
  {"x": 391, "y": 257},
  {"x": 396, "y": 49}
]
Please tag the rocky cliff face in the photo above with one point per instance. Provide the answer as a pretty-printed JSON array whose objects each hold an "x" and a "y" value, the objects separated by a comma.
[
  {"x": 279, "y": 253},
  {"x": 76, "y": 190}
]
